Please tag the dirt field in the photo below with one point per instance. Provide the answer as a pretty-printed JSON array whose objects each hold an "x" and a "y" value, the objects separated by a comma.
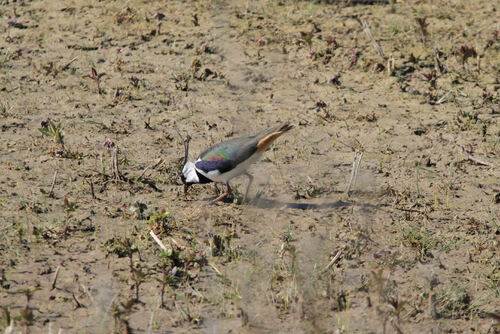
[{"x": 91, "y": 96}]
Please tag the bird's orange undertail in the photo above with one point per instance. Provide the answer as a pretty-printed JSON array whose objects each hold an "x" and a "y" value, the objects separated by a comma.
[{"x": 264, "y": 143}]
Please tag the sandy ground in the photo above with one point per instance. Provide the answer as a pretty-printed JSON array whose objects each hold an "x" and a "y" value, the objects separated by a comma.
[{"x": 92, "y": 95}]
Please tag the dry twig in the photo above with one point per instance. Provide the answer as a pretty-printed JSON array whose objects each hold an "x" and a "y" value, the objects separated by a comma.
[
  {"x": 54, "y": 281},
  {"x": 68, "y": 63},
  {"x": 143, "y": 172},
  {"x": 391, "y": 65},
  {"x": 156, "y": 305},
  {"x": 92, "y": 189},
  {"x": 368, "y": 32},
  {"x": 51, "y": 191},
  {"x": 78, "y": 304},
  {"x": 87, "y": 292},
  {"x": 158, "y": 241},
  {"x": 332, "y": 262},
  {"x": 444, "y": 97},
  {"x": 4, "y": 228},
  {"x": 476, "y": 160},
  {"x": 114, "y": 164},
  {"x": 217, "y": 271},
  {"x": 354, "y": 173}
]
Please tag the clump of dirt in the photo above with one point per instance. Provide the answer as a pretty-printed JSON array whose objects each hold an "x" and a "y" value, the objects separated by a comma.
[{"x": 377, "y": 213}]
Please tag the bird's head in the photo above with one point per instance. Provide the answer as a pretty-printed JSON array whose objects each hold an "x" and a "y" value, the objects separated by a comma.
[{"x": 189, "y": 175}]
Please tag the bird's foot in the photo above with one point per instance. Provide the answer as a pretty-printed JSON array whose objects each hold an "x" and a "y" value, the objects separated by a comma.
[{"x": 219, "y": 198}]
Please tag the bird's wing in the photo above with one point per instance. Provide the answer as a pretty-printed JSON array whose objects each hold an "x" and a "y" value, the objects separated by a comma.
[{"x": 227, "y": 155}]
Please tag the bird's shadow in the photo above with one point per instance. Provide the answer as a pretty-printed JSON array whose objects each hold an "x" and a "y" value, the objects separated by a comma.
[{"x": 266, "y": 203}]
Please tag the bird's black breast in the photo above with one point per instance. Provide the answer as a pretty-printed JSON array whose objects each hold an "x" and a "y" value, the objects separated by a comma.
[{"x": 203, "y": 178}]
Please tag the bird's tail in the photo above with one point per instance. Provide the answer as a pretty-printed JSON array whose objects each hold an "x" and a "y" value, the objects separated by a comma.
[
  {"x": 270, "y": 135},
  {"x": 285, "y": 127}
]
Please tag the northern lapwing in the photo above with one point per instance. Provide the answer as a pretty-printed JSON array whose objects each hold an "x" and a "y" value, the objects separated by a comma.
[{"x": 231, "y": 158}]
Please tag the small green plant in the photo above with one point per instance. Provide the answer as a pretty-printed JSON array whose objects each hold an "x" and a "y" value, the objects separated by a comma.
[
  {"x": 50, "y": 69},
  {"x": 307, "y": 38},
  {"x": 493, "y": 280},
  {"x": 394, "y": 30},
  {"x": 121, "y": 314},
  {"x": 26, "y": 316},
  {"x": 467, "y": 52},
  {"x": 422, "y": 24},
  {"x": 4, "y": 280},
  {"x": 284, "y": 283},
  {"x": 4, "y": 109},
  {"x": 6, "y": 317},
  {"x": 137, "y": 208},
  {"x": 455, "y": 302},
  {"x": 465, "y": 120},
  {"x": 96, "y": 77},
  {"x": 124, "y": 247},
  {"x": 168, "y": 274},
  {"x": 181, "y": 81},
  {"x": 391, "y": 305},
  {"x": 420, "y": 240},
  {"x": 138, "y": 275},
  {"x": 161, "y": 222},
  {"x": 431, "y": 78},
  {"x": 189, "y": 313},
  {"x": 223, "y": 245},
  {"x": 51, "y": 130},
  {"x": 68, "y": 208}
]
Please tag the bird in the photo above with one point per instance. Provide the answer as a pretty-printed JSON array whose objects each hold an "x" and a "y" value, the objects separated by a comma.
[{"x": 228, "y": 159}]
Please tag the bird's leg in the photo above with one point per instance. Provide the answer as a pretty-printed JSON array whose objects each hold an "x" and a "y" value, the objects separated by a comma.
[
  {"x": 250, "y": 180},
  {"x": 227, "y": 193}
]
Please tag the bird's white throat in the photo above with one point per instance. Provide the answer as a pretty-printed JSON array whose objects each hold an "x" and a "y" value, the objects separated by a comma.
[{"x": 189, "y": 172}]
